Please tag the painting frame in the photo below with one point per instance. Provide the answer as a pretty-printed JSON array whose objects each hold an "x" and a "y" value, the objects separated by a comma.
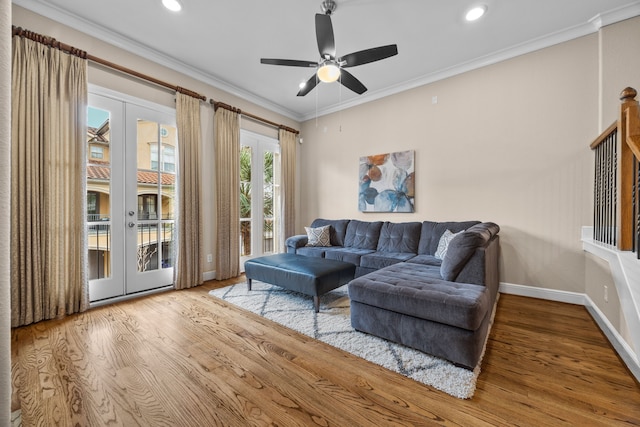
[{"x": 387, "y": 182}]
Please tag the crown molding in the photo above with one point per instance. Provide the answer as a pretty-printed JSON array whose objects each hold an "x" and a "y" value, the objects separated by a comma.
[{"x": 615, "y": 15}]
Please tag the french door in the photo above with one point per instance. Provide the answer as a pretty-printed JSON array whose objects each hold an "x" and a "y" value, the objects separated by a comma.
[
  {"x": 260, "y": 212},
  {"x": 131, "y": 177}
]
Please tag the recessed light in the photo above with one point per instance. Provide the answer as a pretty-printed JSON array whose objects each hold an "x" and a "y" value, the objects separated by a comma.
[
  {"x": 172, "y": 5},
  {"x": 476, "y": 13}
]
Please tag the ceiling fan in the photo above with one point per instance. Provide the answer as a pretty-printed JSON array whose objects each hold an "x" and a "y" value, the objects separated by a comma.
[{"x": 329, "y": 68}]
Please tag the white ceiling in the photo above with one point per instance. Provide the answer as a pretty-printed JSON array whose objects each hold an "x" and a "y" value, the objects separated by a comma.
[{"x": 221, "y": 42}]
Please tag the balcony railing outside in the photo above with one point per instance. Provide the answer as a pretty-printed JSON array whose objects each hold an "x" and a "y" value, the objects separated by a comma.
[
  {"x": 245, "y": 236},
  {"x": 148, "y": 255}
]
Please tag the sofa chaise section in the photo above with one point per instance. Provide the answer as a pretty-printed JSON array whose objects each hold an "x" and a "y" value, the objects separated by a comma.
[{"x": 428, "y": 306}]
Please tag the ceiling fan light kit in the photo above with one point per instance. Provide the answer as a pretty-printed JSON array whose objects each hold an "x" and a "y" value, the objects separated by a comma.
[
  {"x": 329, "y": 68},
  {"x": 329, "y": 73}
]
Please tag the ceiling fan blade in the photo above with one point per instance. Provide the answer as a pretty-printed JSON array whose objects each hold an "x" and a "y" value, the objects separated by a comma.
[
  {"x": 349, "y": 81},
  {"x": 288, "y": 62},
  {"x": 310, "y": 84},
  {"x": 324, "y": 35},
  {"x": 368, "y": 55}
]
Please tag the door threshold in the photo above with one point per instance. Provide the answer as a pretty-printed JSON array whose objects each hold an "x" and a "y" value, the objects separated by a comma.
[{"x": 121, "y": 298}]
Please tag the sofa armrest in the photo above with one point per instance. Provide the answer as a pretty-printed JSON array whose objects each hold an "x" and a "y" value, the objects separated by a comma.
[
  {"x": 295, "y": 242},
  {"x": 483, "y": 267}
]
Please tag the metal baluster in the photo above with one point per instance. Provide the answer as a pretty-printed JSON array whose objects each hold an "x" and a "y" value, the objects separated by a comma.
[
  {"x": 609, "y": 195},
  {"x": 614, "y": 193},
  {"x": 597, "y": 189},
  {"x": 636, "y": 206}
]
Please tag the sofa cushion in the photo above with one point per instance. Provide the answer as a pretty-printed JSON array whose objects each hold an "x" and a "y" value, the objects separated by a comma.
[
  {"x": 432, "y": 231},
  {"x": 314, "y": 251},
  {"x": 425, "y": 260},
  {"x": 338, "y": 229},
  {"x": 318, "y": 236},
  {"x": 379, "y": 259},
  {"x": 399, "y": 237},
  {"x": 463, "y": 246},
  {"x": 362, "y": 235},
  {"x": 351, "y": 255},
  {"x": 419, "y": 291}
]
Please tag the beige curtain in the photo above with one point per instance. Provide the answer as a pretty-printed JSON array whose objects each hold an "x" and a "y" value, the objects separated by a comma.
[
  {"x": 227, "y": 152},
  {"x": 288, "y": 149},
  {"x": 188, "y": 271},
  {"x": 48, "y": 183}
]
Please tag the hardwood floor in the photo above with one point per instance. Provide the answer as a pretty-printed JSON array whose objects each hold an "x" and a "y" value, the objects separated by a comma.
[{"x": 183, "y": 358}]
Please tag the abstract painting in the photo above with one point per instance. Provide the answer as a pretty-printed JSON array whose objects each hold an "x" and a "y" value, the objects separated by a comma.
[{"x": 387, "y": 182}]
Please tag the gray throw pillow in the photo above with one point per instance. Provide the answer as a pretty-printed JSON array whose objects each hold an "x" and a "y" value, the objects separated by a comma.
[
  {"x": 460, "y": 250},
  {"x": 319, "y": 236}
]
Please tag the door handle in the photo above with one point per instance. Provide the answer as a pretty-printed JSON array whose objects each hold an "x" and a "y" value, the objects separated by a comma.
[{"x": 131, "y": 224}]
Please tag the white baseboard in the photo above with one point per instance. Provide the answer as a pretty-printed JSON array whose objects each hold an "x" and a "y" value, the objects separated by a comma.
[
  {"x": 209, "y": 275},
  {"x": 542, "y": 293},
  {"x": 619, "y": 344}
]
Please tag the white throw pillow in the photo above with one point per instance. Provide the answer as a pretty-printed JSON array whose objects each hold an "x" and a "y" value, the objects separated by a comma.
[
  {"x": 320, "y": 236},
  {"x": 443, "y": 244}
]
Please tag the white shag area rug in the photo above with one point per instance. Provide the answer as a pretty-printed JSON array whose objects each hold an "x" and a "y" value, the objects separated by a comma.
[{"x": 332, "y": 325}]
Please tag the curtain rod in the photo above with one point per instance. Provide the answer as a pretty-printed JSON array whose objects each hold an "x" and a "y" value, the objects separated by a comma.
[
  {"x": 49, "y": 41},
  {"x": 217, "y": 104}
]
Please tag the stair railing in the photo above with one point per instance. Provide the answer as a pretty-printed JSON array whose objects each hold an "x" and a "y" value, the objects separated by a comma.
[{"x": 616, "y": 219}]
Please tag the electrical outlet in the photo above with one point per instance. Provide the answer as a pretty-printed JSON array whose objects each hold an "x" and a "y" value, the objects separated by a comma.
[
  {"x": 209, "y": 258},
  {"x": 606, "y": 294}
]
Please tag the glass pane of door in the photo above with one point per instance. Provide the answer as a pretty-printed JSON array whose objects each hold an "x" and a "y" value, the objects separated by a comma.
[
  {"x": 98, "y": 191},
  {"x": 259, "y": 196},
  {"x": 169, "y": 143},
  {"x": 148, "y": 174},
  {"x": 150, "y": 188},
  {"x": 267, "y": 202},
  {"x": 246, "y": 154},
  {"x": 105, "y": 172}
]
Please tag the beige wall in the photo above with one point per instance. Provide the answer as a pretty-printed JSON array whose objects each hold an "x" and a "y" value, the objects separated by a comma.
[
  {"x": 620, "y": 65},
  {"x": 100, "y": 76},
  {"x": 507, "y": 143}
]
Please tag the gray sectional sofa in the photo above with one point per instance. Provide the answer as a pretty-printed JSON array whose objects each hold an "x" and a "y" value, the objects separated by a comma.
[{"x": 404, "y": 293}]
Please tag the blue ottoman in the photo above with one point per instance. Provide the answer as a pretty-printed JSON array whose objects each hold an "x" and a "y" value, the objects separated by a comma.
[{"x": 307, "y": 275}]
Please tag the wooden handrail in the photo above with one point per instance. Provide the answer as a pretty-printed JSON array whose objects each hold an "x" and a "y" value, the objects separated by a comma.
[{"x": 604, "y": 135}]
